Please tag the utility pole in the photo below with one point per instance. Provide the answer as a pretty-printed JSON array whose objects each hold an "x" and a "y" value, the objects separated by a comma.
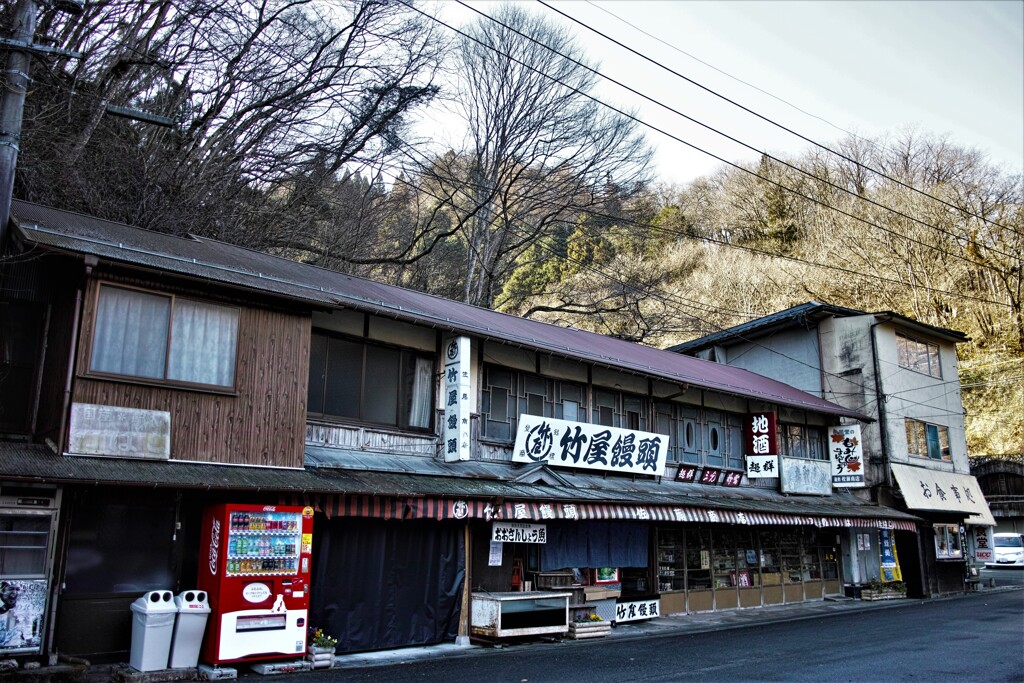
[
  {"x": 12, "y": 106},
  {"x": 16, "y": 81}
]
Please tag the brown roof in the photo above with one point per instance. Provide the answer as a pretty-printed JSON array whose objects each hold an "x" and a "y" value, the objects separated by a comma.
[{"x": 212, "y": 261}]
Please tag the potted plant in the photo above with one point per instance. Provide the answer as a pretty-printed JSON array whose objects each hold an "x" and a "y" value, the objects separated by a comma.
[
  {"x": 589, "y": 626},
  {"x": 884, "y": 590},
  {"x": 320, "y": 650}
]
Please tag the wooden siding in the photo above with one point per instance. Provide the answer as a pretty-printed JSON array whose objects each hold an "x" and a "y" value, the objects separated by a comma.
[{"x": 262, "y": 423}]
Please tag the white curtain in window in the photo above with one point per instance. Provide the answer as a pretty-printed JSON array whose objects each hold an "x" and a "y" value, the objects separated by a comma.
[
  {"x": 422, "y": 388},
  {"x": 204, "y": 338},
  {"x": 131, "y": 333}
]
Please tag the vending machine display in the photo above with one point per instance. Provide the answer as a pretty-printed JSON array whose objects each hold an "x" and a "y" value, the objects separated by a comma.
[{"x": 255, "y": 564}]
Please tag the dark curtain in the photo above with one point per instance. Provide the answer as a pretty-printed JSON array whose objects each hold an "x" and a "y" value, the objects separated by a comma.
[
  {"x": 595, "y": 544},
  {"x": 380, "y": 585}
]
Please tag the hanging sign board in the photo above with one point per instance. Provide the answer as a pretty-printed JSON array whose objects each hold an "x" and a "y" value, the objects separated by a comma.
[
  {"x": 847, "y": 456},
  {"x": 457, "y": 403},
  {"x": 562, "y": 443},
  {"x": 519, "y": 532},
  {"x": 800, "y": 475}
]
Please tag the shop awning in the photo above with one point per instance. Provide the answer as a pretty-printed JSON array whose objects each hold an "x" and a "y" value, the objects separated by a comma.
[
  {"x": 408, "y": 487},
  {"x": 938, "y": 491},
  {"x": 409, "y": 508}
]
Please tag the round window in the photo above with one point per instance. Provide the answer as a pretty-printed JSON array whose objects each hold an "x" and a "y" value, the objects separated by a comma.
[
  {"x": 714, "y": 439},
  {"x": 689, "y": 435}
]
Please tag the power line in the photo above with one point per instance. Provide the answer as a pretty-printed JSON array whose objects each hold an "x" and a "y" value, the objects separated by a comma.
[
  {"x": 770, "y": 121},
  {"x": 668, "y": 298},
  {"x": 717, "y": 132}
]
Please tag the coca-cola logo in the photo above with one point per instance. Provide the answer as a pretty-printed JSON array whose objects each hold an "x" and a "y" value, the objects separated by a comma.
[{"x": 214, "y": 545}]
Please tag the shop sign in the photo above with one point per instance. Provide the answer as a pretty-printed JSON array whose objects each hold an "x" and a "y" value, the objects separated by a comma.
[
  {"x": 732, "y": 479},
  {"x": 457, "y": 393},
  {"x": 519, "y": 532},
  {"x": 890, "y": 569},
  {"x": 982, "y": 548},
  {"x": 634, "y": 611},
  {"x": 762, "y": 466},
  {"x": 710, "y": 475},
  {"x": 119, "y": 432},
  {"x": 847, "y": 456},
  {"x": 761, "y": 434},
  {"x": 800, "y": 475},
  {"x": 686, "y": 473},
  {"x": 562, "y": 443}
]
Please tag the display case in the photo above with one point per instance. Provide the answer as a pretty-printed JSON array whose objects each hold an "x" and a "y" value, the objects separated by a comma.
[
  {"x": 671, "y": 560},
  {"x": 506, "y": 615}
]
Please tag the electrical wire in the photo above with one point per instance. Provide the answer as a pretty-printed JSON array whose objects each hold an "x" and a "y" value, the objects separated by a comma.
[
  {"x": 771, "y": 121},
  {"x": 699, "y": 149}
]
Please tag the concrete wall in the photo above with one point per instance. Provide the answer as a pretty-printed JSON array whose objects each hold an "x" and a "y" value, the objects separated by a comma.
[{"x": 790, "y": 356}]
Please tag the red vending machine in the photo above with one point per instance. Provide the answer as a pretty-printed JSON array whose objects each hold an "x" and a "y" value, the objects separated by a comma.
[{"x": 255, "y": 564}]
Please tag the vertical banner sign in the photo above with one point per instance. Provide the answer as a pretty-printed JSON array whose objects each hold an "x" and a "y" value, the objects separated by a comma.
[
  {"x": 847, "y": 456},
  {"x": 761, "y": 444},
  {"x": 982, "y": 547},
  {"x": 456, "y": 400},
  {"x": 890, "y": 569}
]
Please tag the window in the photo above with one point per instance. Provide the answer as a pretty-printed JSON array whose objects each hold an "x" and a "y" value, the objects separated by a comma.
[
  {"x": 351, "y": 379},
  {"x": 700, "y": 437},
  {"x": 917, "y": 355},
  {"x": 928, "y": 440},
  {"x": 947, "y": 542},
  {"x": 164, "y": 338},
  {"x": 507, "y": 394},
  {"x": 799, "y": 441}
]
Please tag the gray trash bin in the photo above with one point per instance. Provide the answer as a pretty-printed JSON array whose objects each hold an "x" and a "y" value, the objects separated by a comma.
[
  {"x": 152, "y": 627},
  {"x": 193, "y": 610}
]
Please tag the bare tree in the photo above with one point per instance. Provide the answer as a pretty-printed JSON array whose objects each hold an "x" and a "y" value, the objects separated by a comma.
[
  {"x": 272, "y": 100},
  {"x": 540, "y": 151}
]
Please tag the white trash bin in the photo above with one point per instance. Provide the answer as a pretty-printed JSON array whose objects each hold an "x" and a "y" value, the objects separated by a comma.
[
  {"x": 193, "y": 610},
  {"x": 152, "y": 627}
]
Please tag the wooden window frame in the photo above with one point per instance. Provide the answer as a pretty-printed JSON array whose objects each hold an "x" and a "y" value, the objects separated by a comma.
[
  {"x": 400, "y": 424},
  {"x": 158, "y": 381}
]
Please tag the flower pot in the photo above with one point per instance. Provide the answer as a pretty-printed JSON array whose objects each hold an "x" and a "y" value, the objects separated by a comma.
[
  {"x": 321, "y": 657},
  {"x": 871, "y": 595},
  {"x": 589, "y": 629}
]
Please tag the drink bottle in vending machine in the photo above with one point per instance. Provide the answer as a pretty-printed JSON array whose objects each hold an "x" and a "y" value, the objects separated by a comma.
[{"x": 255, "y": 566}]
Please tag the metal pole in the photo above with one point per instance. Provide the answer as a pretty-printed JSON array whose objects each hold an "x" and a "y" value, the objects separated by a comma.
[{"x": 12, "y": 106}]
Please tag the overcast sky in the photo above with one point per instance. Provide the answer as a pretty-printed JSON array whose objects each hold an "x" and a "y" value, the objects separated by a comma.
[{"x": 869, "y": 68}]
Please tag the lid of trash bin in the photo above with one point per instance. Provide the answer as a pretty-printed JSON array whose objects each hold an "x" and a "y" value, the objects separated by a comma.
[
  {"x": 155, "y": 601},
  {"x": 193, "y": 602}
]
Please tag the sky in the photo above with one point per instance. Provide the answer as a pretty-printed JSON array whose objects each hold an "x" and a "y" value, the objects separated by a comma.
[{"x": 822, "y": 69}]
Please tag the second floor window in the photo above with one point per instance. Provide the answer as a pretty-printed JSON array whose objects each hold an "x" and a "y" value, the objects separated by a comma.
[
  {"x": 798, "y": 441},
  {"x": 353, "y": 379},
  {"x": 917, "y": 355},
  {"x": 507, "y": 394},
  {"x": 164, "y": 338},
  {"x": 928, "y": 440}
]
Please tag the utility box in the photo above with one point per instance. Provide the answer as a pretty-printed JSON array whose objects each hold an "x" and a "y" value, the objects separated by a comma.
[
  {"x": 193, "y": 610},
  {"x": 152, "y": 628}
]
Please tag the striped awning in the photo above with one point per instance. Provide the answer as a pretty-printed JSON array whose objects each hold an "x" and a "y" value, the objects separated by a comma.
[{"x": 434, "y": 508}]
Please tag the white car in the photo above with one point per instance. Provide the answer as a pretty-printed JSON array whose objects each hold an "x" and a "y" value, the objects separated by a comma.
[{"x": 1009, "y": 551}]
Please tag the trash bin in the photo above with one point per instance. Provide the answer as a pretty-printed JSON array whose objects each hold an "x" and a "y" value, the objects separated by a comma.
[
  {"x": 193, "y": 610},
  {"x": 152, "y": 628}
]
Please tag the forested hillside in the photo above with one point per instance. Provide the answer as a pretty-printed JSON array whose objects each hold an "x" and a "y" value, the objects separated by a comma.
[{"x": 289, "y": 127}]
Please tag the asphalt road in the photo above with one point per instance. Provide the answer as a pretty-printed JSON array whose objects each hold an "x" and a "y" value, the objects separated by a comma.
[{"x": 977, "y": 637}]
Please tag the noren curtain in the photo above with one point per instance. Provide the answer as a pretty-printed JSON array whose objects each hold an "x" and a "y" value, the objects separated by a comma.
[{"x": 384, "y": 584}]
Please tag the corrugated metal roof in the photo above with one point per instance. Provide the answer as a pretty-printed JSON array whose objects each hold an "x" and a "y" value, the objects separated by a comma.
[
  {"x": 475, "y": 479},
  {"x": 799, "y": 315},
  {"x": 209, "y": 260}
]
